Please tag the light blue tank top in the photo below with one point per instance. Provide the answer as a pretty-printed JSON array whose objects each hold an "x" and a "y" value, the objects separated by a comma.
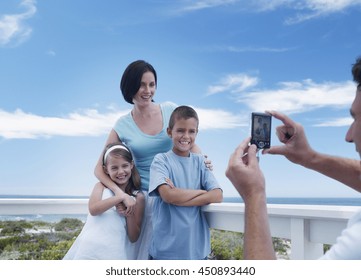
[{"x": 144, "y": 147}]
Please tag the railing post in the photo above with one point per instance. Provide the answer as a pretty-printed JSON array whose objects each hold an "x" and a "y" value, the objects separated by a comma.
[{"x": 301, "y": 247}]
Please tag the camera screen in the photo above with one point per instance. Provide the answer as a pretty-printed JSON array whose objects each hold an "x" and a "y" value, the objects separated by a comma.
[{"x": 261, "y": 130}]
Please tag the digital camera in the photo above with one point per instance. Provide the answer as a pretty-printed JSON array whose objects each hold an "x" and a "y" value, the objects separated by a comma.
[{"x": 261, "y": 130}]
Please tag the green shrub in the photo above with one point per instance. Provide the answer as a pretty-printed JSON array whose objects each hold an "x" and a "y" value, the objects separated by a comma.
[
  {"x": 20, "y": 245},
  {"x": 56, "y": 251},
  {"x": 226, "y": 245},
  {"x": 68, "y": 224}
]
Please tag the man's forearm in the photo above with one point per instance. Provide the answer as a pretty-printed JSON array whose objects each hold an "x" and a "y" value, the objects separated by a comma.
[
  {"x": 257, "y": 237},
  {"x": 344, "y": 170}
]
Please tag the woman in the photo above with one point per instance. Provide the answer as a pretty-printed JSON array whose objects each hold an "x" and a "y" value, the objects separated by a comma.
[{"x": 144, "y": 131}]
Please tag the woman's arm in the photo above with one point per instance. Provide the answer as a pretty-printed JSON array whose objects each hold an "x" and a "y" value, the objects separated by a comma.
[
  {"x": 97, "y": 205},
  {"x": 134, "y": 221}
]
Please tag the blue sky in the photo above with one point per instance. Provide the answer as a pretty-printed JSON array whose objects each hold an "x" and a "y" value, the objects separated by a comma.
[{"x": 61, "y": 63}]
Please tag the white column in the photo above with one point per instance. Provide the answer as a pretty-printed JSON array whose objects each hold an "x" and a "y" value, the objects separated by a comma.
[{"x": 301, "y": 247}]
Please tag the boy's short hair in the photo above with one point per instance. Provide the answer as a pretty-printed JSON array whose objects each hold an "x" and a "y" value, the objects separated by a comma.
[{"x": 182, "y": 112}]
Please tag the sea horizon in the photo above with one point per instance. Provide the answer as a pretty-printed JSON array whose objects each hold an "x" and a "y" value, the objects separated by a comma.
[
  {"x": 338, "y": 201},
  {"x": 346, "y": 201}
]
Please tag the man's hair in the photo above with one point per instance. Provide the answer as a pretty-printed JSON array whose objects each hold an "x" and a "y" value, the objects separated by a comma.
[
  {"x": 182, "y": 112},
  {"x": 132, "y": 77},
  {"x": 356, "y": 72}
]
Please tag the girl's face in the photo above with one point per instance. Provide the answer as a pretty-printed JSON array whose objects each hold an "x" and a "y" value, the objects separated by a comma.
[
  {"x": 147, "y": 89},
  {"x": 119, "y": 170}
]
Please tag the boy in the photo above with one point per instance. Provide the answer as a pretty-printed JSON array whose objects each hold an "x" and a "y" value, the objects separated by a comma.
[{"x": 181, "y": 184}]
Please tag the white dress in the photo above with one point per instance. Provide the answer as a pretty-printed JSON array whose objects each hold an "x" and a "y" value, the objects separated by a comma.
[{"x": 103, "y": 237}]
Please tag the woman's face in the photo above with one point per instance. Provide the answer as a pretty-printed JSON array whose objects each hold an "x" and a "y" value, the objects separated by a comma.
[{"x": 146, "y": 91}]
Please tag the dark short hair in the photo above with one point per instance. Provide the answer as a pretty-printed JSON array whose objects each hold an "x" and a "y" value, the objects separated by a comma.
[
  {"x": 182, "y": 112},
  {"x": 356, "y": 72},
  {"x": 132, "y": 77}
]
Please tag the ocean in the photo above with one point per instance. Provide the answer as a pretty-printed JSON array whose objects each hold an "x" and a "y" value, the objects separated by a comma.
[{"x": 343, "y": 201}]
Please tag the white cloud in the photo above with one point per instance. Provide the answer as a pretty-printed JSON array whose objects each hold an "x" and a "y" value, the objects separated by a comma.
[
  {"x": 336, "y": 122},
  {"x": 89, "y": 122},
  {"x": 219, "y": 119},
  {"x": 305, "y": 10},
  {"x": 13, "y": 29},
  {"x": 233, "y": 83},
  {"x": 309, "y": 9},
  {"x": 256, "y": 49},
  {"x": 327, "y": 6},
  {"x": 298, "y": 97},
  {"x": 205, "y": 4},
  {"x": 51, "y": 53}
]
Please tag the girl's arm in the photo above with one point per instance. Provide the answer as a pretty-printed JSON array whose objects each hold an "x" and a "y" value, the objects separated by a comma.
[
  {"x": 97, "y": 205},
  {"x": 104, "y": 178},
  {"x": 134, "y": 221}
]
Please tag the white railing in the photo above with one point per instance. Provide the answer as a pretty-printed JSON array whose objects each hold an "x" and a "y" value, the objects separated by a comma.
[{"x": 307, "y": 226}]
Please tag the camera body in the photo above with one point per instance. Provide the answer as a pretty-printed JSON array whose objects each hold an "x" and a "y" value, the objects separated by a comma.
[{"x": 261, "y": 130}]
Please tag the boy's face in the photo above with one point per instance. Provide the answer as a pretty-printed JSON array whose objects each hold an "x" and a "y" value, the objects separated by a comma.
[{"x": 183, "y": 135}]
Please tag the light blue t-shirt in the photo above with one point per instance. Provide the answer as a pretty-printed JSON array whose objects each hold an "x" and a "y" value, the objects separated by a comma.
[
  {"x": 179, "y": 232},
  {"x": 144, "y": 147}
]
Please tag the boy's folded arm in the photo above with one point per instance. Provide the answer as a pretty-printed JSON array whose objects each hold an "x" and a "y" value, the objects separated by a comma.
[
  {"x": 177, "y": 196},
  {"x": 211, "y": 196}
]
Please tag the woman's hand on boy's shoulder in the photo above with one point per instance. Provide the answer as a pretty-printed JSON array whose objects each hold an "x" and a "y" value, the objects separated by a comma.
[{"x": 208, "y": 163}]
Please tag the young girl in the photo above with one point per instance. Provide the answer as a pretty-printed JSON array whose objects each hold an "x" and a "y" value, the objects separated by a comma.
[{"x": 108, "y": 232}]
